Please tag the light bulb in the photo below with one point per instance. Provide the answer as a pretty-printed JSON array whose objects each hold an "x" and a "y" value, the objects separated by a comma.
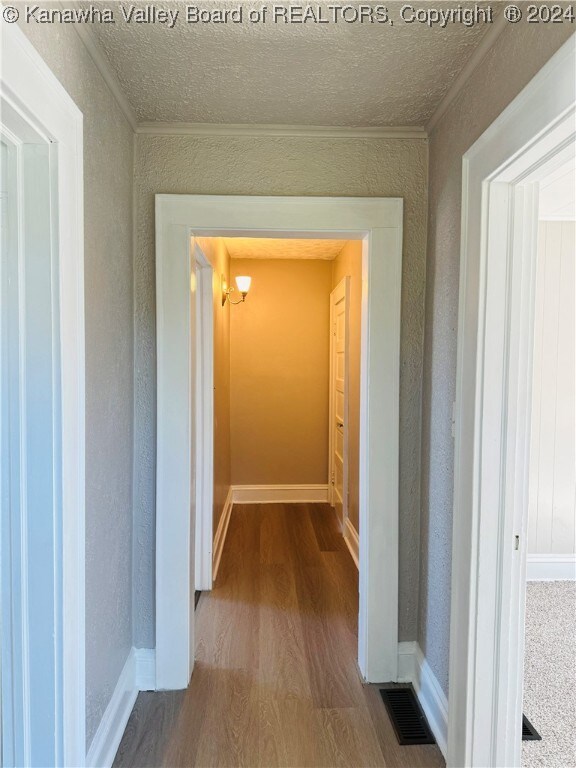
[{"x": 243, "y": 283}]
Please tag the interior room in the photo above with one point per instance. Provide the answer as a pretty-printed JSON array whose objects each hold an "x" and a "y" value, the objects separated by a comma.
[{"x": 550, "y": 659}]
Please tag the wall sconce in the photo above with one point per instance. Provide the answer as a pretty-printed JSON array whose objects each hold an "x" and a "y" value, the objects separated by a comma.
[{"x": 243, "y": 285}]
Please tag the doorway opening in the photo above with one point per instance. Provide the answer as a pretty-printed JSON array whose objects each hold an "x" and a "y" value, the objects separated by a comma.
[
  {"x": 377, "y": 225},
  {"x": 285, "y": 382},
  {"x": 533, "y": 138},
  {"x": 550, "y": 624},
  {"x": 42, "y": 691}
]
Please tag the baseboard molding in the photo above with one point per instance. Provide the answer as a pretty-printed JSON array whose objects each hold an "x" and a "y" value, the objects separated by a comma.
[
  {"x": 111, "y": 729},
  {"x": 138, "y": 674},
  {"x": 551, "y": 568},
  {"x": 413, "y": 668},
  {"x": 432, "y": 700},
  {"x": 352, "y": 541},
  {"x": 276, "y": 494},
  {"x": 221, "y": 532},
  {"x": 145, "y": 659}
]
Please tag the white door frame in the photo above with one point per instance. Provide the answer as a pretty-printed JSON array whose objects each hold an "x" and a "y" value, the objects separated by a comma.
[
  {"x": 204, "y": 454},
  {"x": 493, "y": 395},
  {"x": 378, "y": 223},
  {"x": 33, "y": 101},
  {"x": 344, "y": 285}
]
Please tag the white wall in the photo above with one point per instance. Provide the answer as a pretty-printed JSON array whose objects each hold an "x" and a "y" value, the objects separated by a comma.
[{"x": 552, "y": 511}]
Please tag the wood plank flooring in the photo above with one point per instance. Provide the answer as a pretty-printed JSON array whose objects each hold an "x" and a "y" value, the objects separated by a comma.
[{"x": 275, "y": 681}]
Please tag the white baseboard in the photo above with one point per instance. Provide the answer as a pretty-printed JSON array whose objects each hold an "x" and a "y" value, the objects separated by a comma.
[
  {"x": 145, "y": 669},
  {"x": 432, "y": 700},
  {"x": 352, "y": 541},
  {"x": 407, "y": 661},
  {"x": 551, "y": 568},
  {"x": 111, "y": 729},
  {"x": 221, "y": 532},
  {"x": 138, "y": 674},
  {"x": 286, "y": 494},
  {"x": 413, "y": 668}
]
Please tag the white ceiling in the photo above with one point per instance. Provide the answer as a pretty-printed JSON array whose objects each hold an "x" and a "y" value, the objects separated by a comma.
[
  {"x": 292, "y": 74},
  {"x": 557, "y": 196},
  {"x": 276, "y": 248}
]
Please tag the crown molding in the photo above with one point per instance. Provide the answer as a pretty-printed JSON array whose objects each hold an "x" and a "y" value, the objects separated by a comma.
[
  {"x": 479, "y": 52},
  {"x": 103, "y": 66},
  {"x": 274, "y": 130},
  {"x": 303, "y": 131}
]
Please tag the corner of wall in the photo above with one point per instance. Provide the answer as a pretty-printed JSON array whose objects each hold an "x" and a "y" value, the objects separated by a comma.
[
  {"x": 138, "y": 674},
  {"x": 414, "y": 668}
]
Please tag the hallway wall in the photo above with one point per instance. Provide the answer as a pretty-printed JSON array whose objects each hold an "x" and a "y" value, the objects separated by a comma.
[
  {"x": 279, "y": 372},
  {"x": 216, "y": 253},
  {"x": 517, "y": 55},
  {"x": 263, "y": 165},
  {"x": 349, "y": 262},
  {"x": 109, "y": 317}
]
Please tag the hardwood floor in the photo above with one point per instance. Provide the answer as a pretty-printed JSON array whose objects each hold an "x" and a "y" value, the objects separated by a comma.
[{"x": 275, "y": 681}]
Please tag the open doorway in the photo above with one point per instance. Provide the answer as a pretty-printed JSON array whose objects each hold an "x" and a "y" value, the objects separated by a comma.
[
  {"x": 550, "y": 625},
  {"x": 284, "y": 606},
  {"x": 377, "y": 226},
  {"x": 42, "y": 414},
  {"x": 503, "y": 172},
  {"x": 287, "y": 379}
]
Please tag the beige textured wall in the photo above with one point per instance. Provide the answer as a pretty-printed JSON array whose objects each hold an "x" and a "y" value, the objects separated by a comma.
[
  {"x": 279, "y": 372},
  {"x": 349, "y": 262},
  {"x": 517, "y": 55},
  {"x": 231, "y": 165},
  {"x": 109, "y": 316},
  {"x": 216, "y": 253}
]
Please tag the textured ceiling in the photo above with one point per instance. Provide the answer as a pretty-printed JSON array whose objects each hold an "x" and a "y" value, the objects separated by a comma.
[
  {"x": 334, "y": 74},
  {"x": 273, "y": 248}
]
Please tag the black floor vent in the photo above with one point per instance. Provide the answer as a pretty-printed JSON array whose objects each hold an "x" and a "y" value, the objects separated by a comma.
[
  {"x": 409, "y": 721},
  {"x": 197, "y": 594},
  {"x": 529, "y": 733}
]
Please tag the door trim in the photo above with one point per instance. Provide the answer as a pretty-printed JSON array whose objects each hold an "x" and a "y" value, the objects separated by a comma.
[
  {"x": 377, "y": 222},
  {"x": 204, "y": 422},
  {"x": 35, "y": 97},
  {"x": 492, "y": 413},
  {"x": 344, "y": 285}
]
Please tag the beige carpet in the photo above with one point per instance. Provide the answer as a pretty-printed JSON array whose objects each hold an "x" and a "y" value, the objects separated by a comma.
[{"x": 550, "y": 674}]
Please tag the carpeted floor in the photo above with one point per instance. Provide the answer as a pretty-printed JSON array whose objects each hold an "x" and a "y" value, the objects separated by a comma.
[{"x": 550, "y": 674}]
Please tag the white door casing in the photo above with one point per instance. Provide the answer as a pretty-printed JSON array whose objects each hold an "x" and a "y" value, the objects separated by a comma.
[
  {"x": 535, "y": 134},
  {"x": 338, "y": 410},
  {"x": 48, "y": 336},
  {"x": 378, "y": 223},
  {"x": 204, "y": 340}
]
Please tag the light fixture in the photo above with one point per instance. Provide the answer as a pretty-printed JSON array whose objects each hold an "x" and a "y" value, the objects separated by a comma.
[{"x": 243, "y": 286}]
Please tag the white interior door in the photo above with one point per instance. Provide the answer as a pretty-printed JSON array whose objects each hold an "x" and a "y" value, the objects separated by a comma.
[{"x": 339, "y": 303}]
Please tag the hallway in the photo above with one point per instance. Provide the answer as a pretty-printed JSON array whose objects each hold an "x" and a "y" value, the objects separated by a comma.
[{"x": 275, "y": 681}]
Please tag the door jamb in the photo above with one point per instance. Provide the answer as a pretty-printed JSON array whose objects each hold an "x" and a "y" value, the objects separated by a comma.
[
  {"x": 378, "y": 223},
  {"x": 492, "y": 431},
  {"x": 204, "y": 454},
  {"x": 35, "y": 95}
]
